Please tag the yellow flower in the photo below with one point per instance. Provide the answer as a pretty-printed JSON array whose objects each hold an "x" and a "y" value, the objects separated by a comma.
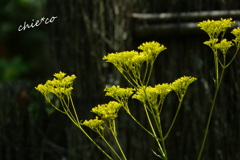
[
  {"x": 119, "y": 94},
  {"x": 59, "y": 75},
  {"x": 95, "y": 124},
  {"x": 152, "y": 49},
  {"x": 211, "y": 43},
  {"x": 130, "y": 63},
  {"x": 224, "y": 45},
  {"x": 107, "y": 111},
  {"x": 140, "y": 95},
  {"x": 59, "y": 86},
  {"x": 236, "y": 33},
  {"x": 121, "y": 60},
  {"x": 215, "y": 27},
  {"x": 153, "y": 95},
  {"x": 163, "y": 89},
  {"x": 180, "y": 85}
]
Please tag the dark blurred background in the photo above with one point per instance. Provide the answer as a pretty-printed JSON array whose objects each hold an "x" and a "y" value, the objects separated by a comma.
[{"x": 83, "y": 32}]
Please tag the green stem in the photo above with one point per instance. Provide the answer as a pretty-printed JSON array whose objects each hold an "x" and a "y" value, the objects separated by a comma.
[
  {"x": 146, "y": 71},
  {"x": 153, "y": 130},
  {"x": 218, "y": 83},
  {"x": 94, "y": 142},
  {"x": 76, "y": 121},
  {"x": 150, "y": 72},
  {"x": 157, "y": 119},
  {"x": 74, "y": 110},
  {"x": 161, "y": 149},
  {"x": 141, "y": 125},
  {"x": 69, "y": 113},
  {"x": 63, "y": 112},
  {"x": 158, "y": 122},
  {"x": 110, "y": 146},
  {"x": 216, "y": 68},
  {"x": 118, "y": 144},
  {"x": 210, "y": 115},
  {"x": 161, "y": 104},
  {"x": 129, "y": 81},
  {"x": 232, "y": 58},
  {"x": 135, "y": 120},
  {"x": 174, "y": 119}
]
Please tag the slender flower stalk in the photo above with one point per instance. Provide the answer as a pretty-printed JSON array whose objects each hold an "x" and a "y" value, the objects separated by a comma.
[
  {"x": 216, "y": 30},
  {"x": 173, "y": 121}
]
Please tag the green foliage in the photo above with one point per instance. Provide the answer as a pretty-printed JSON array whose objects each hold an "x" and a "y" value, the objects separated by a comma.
[
  {"x": 15, "y": 12},
  {"x": 13, "y": 69},
  {"x": 21, "y": 46}
]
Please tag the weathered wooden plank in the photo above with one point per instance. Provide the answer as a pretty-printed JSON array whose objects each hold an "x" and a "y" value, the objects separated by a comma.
[{"x": 186, "y": 16}]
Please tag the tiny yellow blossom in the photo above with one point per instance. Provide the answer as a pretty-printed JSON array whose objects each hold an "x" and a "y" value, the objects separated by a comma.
[
  {"x": 215, "y": 27},
  {"x": 119, "y": 94},
  {"x": 140, "y": 95},
  {"x": 121, "y": 60},
  {"x": 153, "y": 95},
  {"x": 236, "y": 33},
  {"x": 211, "y": 43},
  {"x": 107, "y": 111},
  {"x": 95, "y": 124},
  {"x": 130, "y": 63},
  {"x": 163, "y": 89},
  {"x": 59, "y": 86},
  {"x": 152, "y": 49},
  {"x": 59, "y": 75},
  {"x": 180, "y": 85},
  {"x": 224, "y": 45}
]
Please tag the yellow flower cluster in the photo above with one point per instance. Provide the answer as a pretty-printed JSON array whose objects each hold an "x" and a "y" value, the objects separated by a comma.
[
  {"x": 125, "y": 60},
  {"x": 129, "y": 63},
  {"x": 107, "y": 111},
  {"x": 215, "y": 27},
  {"x": 61, "y": 85},
  {"x": 95, "y": 124},
  {"x": 236, "y": 33},
  {"x": 119, "y": 94},
  {"x": 153, "y": 95},
  {"x": 131, "y": 59},
  {"x": 180, "y": 85},
  {"x": 224, "y": 45},
  {"x": 211, "y": 42},
  {"x": 152, "y": 49}
]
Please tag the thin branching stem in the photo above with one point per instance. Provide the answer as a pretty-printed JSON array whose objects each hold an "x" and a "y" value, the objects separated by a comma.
[
  {"x": 210, "y": 115},
  {"x": 153, "y": 130},
  {"x": 174, "y": 119},
  {"x": 104, "y": 139},
  {"x": 117, "y": 142}
]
